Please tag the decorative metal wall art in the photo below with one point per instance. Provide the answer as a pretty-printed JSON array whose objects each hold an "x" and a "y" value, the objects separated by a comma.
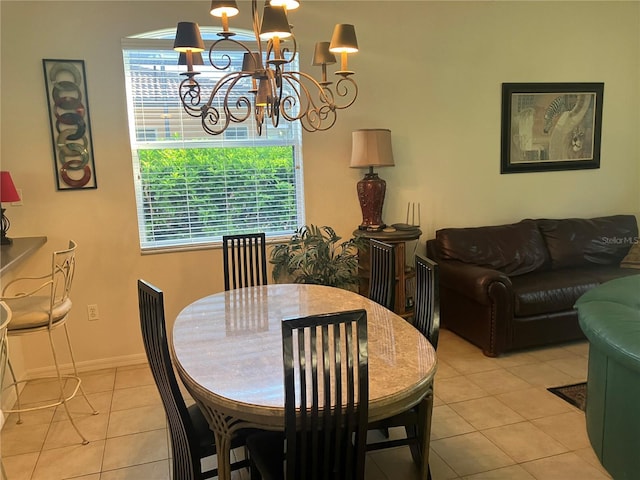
[
  {"x": 66, "y": 85},
  {"x": 551, "y": 126}
]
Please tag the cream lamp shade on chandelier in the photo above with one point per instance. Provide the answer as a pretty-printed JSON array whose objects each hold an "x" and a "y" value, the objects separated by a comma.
[
  {"x": 371, "y": 148},
  {"x": 267, "y": 87}
]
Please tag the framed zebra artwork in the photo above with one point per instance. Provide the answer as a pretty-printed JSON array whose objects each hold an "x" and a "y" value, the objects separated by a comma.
[{"x": 550, "y": 126}]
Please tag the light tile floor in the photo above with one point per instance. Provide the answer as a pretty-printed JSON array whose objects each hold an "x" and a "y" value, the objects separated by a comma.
[{"x": 493, "y": 419}]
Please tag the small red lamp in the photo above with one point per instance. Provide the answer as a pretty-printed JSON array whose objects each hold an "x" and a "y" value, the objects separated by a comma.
[
  {"x": 371, "y": 148},
  {"x": 8, "y": 193}
]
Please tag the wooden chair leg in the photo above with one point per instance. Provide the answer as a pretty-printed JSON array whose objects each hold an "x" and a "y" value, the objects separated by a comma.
[
  {"x": 425, "y": 411},
  {"x": 415, "y": 447}
]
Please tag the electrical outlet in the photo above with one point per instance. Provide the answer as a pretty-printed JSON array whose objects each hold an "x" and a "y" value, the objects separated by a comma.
[{"x": 92, "y": 312}]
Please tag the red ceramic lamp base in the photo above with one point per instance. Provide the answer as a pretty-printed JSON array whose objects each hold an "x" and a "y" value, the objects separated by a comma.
[{"x": 371, "y": 191}]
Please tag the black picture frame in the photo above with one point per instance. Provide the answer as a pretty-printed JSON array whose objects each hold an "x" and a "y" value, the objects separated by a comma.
[
  {"x": 550, "y": 126},
  {"x": 66, "y": 93}
]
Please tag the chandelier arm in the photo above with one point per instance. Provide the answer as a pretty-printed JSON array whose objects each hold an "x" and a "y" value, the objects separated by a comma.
[
  {"x": 277, "y": 86},
  {"x": 258, "y": 116},
  {"x": 320, "y": 118},
  {"x": 317, "y": 119},
  {"x": 343, "y": 87},
  {"x": 283, "y": 51},
  {"x": 256, "y": 28},
  {"x": 268, "y": 50},
  {"x": 228, "y": 82},
  {"x": 300, "y": 96},
  {"x": 294, "y": 53},
  {"x": 325, "y": 95},
  {"x": 225, "y": 56},
  {"x": 329, "y": 94},
  {"x": 271, "y": 108},
  {"x": 190, "y": 96},
  {"x": 242, "y": 103},
  {"x": 346, "y": 87},
  {"x": 313, "y": 117},
  {"x": 211, "y": 116},
  {"x": 322, "y": 90}
]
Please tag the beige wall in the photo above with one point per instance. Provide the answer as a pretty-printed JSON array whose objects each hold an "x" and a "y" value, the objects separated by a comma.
[{"x": 432, "y": 75}]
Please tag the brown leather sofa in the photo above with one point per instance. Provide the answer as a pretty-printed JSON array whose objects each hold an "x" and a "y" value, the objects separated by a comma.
[{"x": 509, "y": 287}]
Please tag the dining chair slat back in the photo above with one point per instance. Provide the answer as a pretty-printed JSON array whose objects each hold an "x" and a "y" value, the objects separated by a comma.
[
  {"x": 382, "y": 273},
  {"x": 427, "y": 320},
  {"x": 244, "y": 259},
  {"x": 427, "y": 299},
  {"x": 191, "y": 438},
  {"x": 184, "y": 440},
  {"x": 326, "y": 381},
  {"x": 322, "y": 355}
]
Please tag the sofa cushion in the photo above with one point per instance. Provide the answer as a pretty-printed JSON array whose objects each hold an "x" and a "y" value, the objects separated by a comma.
[
  {"x": 604, "y": 273},
  {"x": 513, "y": 249},
  {"x": 574, "y": 242},
  {"x": 550, "y": 291}
]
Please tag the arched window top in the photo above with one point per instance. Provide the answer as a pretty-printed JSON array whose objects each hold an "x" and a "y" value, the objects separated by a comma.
[{"x": 208, "y": 33}]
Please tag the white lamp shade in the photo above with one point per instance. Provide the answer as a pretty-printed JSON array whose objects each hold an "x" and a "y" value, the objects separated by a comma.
[{"x": 371, "y": 148}]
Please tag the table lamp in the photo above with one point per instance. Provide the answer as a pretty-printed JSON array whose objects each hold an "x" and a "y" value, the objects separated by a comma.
[
  {"x": 8, "y": 193},
  {"x": 371, "y": 148}
]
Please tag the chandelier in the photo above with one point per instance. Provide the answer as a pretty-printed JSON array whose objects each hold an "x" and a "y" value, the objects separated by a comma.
[{"x": 266, "y": 88}]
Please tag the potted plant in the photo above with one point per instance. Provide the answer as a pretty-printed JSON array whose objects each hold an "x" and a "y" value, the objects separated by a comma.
[{"x": 316, "y": 255}]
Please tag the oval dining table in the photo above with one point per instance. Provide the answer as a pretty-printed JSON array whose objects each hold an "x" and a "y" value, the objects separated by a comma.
[{"x": 227, "y": 349}]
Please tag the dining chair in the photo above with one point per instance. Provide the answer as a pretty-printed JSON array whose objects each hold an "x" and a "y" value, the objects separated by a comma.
[
  {"x": 427, "y": 321},
  {"x": 191, "y": 438},
  {"x": 43, "y": 304},
  {"x": 244, "y": 259},
  {"x": 326, "y": 382},
  {"x": 427, "y": 306},
  {"x": 382, "y": 273},
  {"x": 382, "y": 279}
]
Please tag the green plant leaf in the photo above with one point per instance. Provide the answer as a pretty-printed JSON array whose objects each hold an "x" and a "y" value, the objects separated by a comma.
[{"x": 315, "y": 255}]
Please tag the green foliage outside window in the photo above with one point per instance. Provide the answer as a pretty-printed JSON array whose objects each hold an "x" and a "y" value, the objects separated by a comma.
[{"x": 201, "y": 193}]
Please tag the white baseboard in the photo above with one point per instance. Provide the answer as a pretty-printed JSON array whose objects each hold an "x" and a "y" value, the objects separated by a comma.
[{"x": 100, "y": 364}]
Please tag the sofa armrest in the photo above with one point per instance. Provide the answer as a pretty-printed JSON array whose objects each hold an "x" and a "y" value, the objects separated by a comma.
[
  {"x": 473, "y": 281},
  {"x": 477, "y": 304}
]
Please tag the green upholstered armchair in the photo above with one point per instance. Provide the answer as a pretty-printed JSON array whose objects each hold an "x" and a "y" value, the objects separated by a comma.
[{"x": 609, "y": 315}]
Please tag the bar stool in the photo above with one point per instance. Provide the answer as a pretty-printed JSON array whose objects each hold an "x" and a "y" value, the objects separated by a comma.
[
  {"x": 42, "y": 304},
  {"x": 5, "y": 318}
]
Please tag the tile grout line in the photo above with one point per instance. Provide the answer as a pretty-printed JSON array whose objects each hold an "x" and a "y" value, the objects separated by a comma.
[{"x": 106, "y": 432}]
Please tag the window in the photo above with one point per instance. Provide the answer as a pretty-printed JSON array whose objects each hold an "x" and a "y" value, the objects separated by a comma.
[{"x": 192, "y": 187}]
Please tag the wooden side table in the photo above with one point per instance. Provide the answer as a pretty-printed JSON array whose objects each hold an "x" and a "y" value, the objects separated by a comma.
[{"x": 404, "y": 273}]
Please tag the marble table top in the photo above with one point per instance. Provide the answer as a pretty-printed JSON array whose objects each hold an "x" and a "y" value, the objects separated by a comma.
[{"x": 228, "y": 350}]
